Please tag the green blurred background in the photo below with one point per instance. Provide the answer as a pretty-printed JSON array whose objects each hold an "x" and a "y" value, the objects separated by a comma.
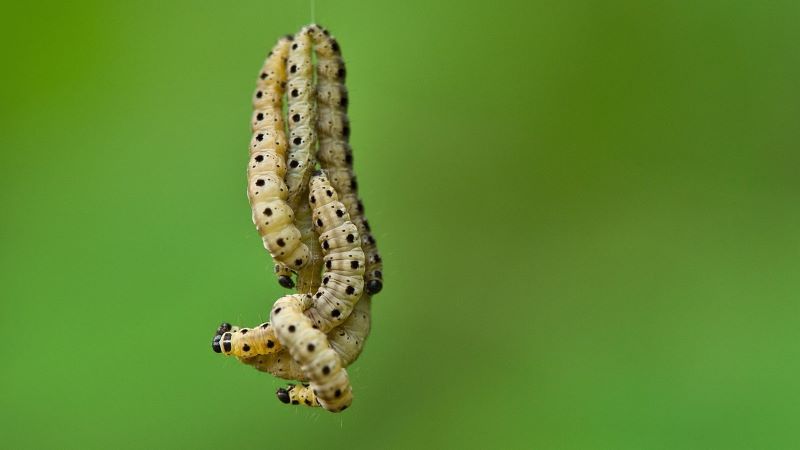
[{"x": 587, "y": 210}]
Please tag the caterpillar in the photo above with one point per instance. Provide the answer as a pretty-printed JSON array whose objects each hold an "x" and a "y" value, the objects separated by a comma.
[
  {"x": 310, "y": 347},
  {"x": 301, "y": 114},
  {"x": 334, "y": 153},
  {"x": 272, "y": 215}
]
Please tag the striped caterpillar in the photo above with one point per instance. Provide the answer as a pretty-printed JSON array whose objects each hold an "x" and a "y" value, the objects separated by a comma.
[
  {"x": 272, "y": 215},
  {"x": 323, "y": 328},
  {"x": 335, "y": 154}
]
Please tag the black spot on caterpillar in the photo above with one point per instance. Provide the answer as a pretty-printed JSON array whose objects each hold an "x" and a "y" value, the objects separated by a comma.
[
  {"x": 334, "y": 153},
  {"x": 272, "y": 215}
]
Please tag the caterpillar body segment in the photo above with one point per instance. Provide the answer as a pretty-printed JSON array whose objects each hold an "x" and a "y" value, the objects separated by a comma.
[
  {"x": 301, "y": 115},
  {"x": 334, "y": 153},
  {"x": 310, "y": 347},
  {"x": 267, "y": 192}
]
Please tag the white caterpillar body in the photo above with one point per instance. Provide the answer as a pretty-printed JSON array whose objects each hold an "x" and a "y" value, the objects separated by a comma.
[{"x": 273, "y": 217}]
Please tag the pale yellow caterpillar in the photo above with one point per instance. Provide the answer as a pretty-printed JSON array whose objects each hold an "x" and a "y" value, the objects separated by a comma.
[
  {"x": 272, "y": 215},
  {"x": 310, "y": 347},
  {"x": 301, "y": 114},
  {"x": 334, "y": 153}
]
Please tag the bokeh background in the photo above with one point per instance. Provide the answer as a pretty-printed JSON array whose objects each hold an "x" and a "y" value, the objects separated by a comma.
[{"x": 588, "y": 212}]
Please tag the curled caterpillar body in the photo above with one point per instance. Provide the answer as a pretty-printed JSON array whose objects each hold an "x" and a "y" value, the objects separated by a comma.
[
  {"x": 335, "y": 154},
  {"x": 301, "y": 113},
  {"x": 310, "y": 347},
  {"x": 272, "y": 215}
]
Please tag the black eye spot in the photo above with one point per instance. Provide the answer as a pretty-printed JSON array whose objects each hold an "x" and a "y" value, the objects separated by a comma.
[
  {"x": 310, "y": 347},
  {"x": 270, "y": 344},
  {"x": 263, "y": 77},
  {"x": 325, "y": 280},
  {"x": 350, "y": 290},
  {"x": 348, "y": 158},
  {"x": 353, "y": 184},
  {"x": 319, "y": 222},
  {"x": 281, "y": 242},
  {"x": 350, "y": 238},
  {"x": 259, "y": 94},
  {"x": 294, "y": 46},
  {"x": 293, "y": 69},
  {"x": 296, "y": 117},
  {"x": 339, "y": 213},
  {"x": 245, "y": 348},
  {"x": 328, "y": 264},
  {"x": 354, "y": 264},
  {"x": 295, "y": 93},
  {"x": 338, "y": 393},
  {"x": 335, "y": 46},
  {"x": 260, "y": 137},
  {"x": 336, "y": 313},
  {"x": 318, "y": 295},
  {"x": 277, "y": 310},
  {"x": 291, "y": 328},
  {"x": 346, "y": 131},
  {"x": 293, "y": 164},
  {"x": 298, "y": 262},
  {"x": 330, "y": 194},
  {"x": 325, "y": 245},
  {"x": 260, "y": 182},
  {"x": 259, "y": 158},
  {"x": 244, "y": 330},
  {"x": 295, "y": 402},
  {"x": 341, "y": 73},
  {"x": 297, "y": 141},
  {"x": 260, "y": 116},
  {"x": 325, "y": 370},
  {"x": 268, "y": 211}
]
